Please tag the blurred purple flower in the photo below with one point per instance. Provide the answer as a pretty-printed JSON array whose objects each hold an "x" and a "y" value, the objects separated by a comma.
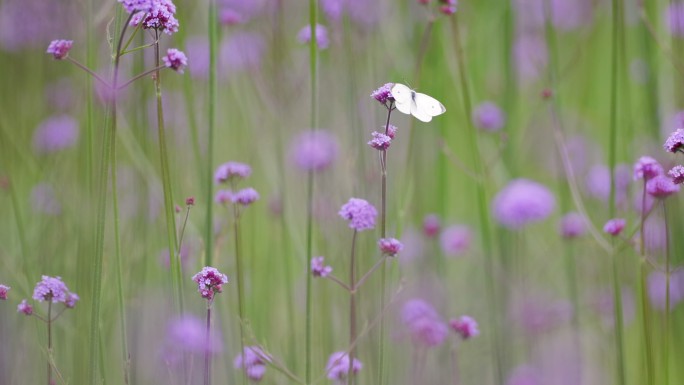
[
  {"x": 424, "y": 323},
  {"x": 572, "y": 225},
  {"x": 253, "y": 361},
  {"x": 322, "y": 40},
  {"x": 25, "y": 308},
  {"x": 661, "y": 186},
  {"x": 431, "y": 225},
  {"x": 537, "y": 312},
  {"x": 360, "y": 214},
  {"x": 230, "y": 171},
  {"x": 455, "y": 240},
  {"x": 390, "y": 246},
  {"x": 314, "y": 150},
  {"x": 188, "y": 333},
  {"x": 657, "y": 289},
  {"x": 338, "y": 366},
  {"x": 247, "y": 9},
  {"x": 4, "y": 289},
  {"x": 32, "y": 23},
  {"x": 674, "y": 18},
  {"x": 175, "y": 59},
  {"x": 524, "y": 375},
  {"x": 229, "y": 16},
  {"x": 465, "y": 326},
  {"x": 489, "y": 117},
  {"x": 44, "y": 200},
  {"x": 675, "y": 142},
  {"x": 614, "y": 226},
  {"x": 598, "y": 182},
  {"x": 647, "y": 168},
  {"x": 246, "y": 196},
  {"x": 522, "y": 202},
  {"x": 55, "y": 133},
  {"x": 363, "y": 13},
  {"x": 318, "y": 268},
  {"x": 603, "y": 303},
  {"x": 242, "y": 51},
  {"x": 530, "y": 57}
]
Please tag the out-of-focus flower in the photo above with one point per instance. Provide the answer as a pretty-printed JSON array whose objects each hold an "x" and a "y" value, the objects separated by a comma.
[
  {"x": 55, "y": 133},
  {"x": 677, "y": 174},
  {"x": 230, "y": 171},
  {"x": 674, "y": 18},
  {"x": 360, "y": 214},
  {"x": 524, "y": 375},
  {"x": 246, "y": 196},
  {"x": 4, "y": 289},
  {"x": 614, "y": 226},
  {"x": 657, "y": 289},
  {"x": 314, "y": 150},
  {"x": 647, "y": 168},
  {"x": 675, "y": 142},
  {"x": 489, "y": 117},
  {"x": 455, "y": 240},
  {"x": 538, "y": 312},
  {"x": 318, "y": 268},
  {"x": 424, "y": 323},
  {"x": 25, "y": 308},
  {"x": 175, "y": 59},
  {"x": 253, "y": 361},
  {"x": 338, "y": 366},
  {"x": 431, "y": 225},
  {"x": 465, "y": 326},
  {"x": 572, "y": 225},
  {"x": 530, "y": 57},
  {"x": 322, "y": 40},
  {"x": 188, "y": 333},
  {"x": 604, "y": 306},
  {"x": 522, "y": 202},
  {"x": 661, "y": 187},
  {"x": 390, "y": 246}
]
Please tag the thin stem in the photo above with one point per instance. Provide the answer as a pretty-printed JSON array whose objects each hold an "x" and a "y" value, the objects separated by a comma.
[
  {"x": 166, "y": 184},
  {"x": 136, "y": 77},
  {"x": 383, "y": 272},
  {"x": 207, "y": 344},
  {"x": 139, "y": 48},
  {"x": 49, "y": 348},
  {"x": 666, "y": 343},
  {"x": 339, "y": 282},
  {"x": 352, "y": 309},
  {"x": 211, "y": 124},
  {"x": 643, "y": 291},
  {"x": 619, "y": 324},
  {"x": 88, "y": 70},
  {"x": 378, "y": 264},
  {"x": 240, "y": 281}
]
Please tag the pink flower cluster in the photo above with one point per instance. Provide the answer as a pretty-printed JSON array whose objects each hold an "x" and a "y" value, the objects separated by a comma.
[
  {"x": 465, "y": 326},
  {"x": 230, "y": 171},
  {"x": 175, "y": 59},
  {"x": 424, "y": 323},
  {"x": 390, "y": 246},
  {"x": 253, "y": 361},
  {"x": 60, "y": 48},
  {"x": 4, "y": 289},
  {"x": 384, "y": 94},
  {"x": 338, "y": 366},
  {"x": 318, "y": 268},
  {"x": 210, "y": 282}
]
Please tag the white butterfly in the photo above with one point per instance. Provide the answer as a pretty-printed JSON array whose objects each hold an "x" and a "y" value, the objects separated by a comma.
[{"x": 422, "y": 106}]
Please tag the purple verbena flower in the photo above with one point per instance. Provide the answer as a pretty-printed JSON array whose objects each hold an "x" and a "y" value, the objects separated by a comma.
[
  {"x": 489, "y": 117},
  {"x": 338, "y": 366},
  {"x": 175, "y": 59},
  {"x": 25, "y": 307},
  {"x": 51, "y": 289},
  {"x": 572, "y": 225},
  {"x": 209, "y": 282},
  {"x": 448, "y": 7},
  {"x": 677, "y": 174},
  {"x": 161, "y": 15},
  {"x": 188, "y": 333},
  {"x": 360, "y": 214},
  {"x": 314, "y": 150},
  {"x": 322, "y": 41},
  {"x": 647, "y": 168},
  {"x": 675, "y": 142},
  {"x": 390, "y": 246},
  {"x": 253, "y": 361},
  {"x": 380, "y": 141},
  {"x": 224, "y": 197},
  {"x": 522, "y": 202},
  {"x": 661, "y": 187},
  {"x": 231, "y": 170},
  {"x": 614, "y": 226},
  {"x": 4, "y": 289},
  {"x": 384, "y": 94},
  {"x": 71, "y": 300},
  {"x": 55, "y": 133},
  {"x": 465, "y": 326},
  {"x": 424, "y": 324},
  {"x": 136, "y": 5},
  {"x": 431, "y": 225},
  {"x": 455, "y": 240},
  {"x": 674, "y": 18},
  {"x": 391, "y": 131},
  {"x": 657, "y": 289},
  {"x": 229, "y": 16},
  {"x": 60, "y": 48},
  {"x": 246, "y": 196},
  {"x": 318, "y": 268}
]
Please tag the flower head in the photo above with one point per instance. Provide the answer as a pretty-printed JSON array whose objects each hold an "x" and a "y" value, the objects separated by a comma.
[
  {"x": 360, "y": 214},
  {"x": 55, "y": 133},
  {"x": 647, "y": 168},
  {"x": 455, "y": 240},
  {"x": 4, "y": 289},
  {"x": 187, "y": 332},
  {"x": 175, "y": 59},
  {"x": 60, "y": 48},
  {"x": 51, "y": 289},
  {"x": 190, "y": 201},
  {"x": 71, "y": 300},
  {"x": 230, "y": 171},
  {"x": 572, "y": 225},
  {"x": 25, "y": 307},
  {"x": 677, "y": 174},
  {"x": 390, "y": 246},
  {"x": 675, "y": 142},
  {"x": 465, "y": 326},
  {"x": 384, "y": 94},
  {"x": 391, "y": 131},
  {"x": 424, "y": 323},
  {"x": 489, "y": 117},
  {"x": 314, "y": 150},
  {"x": 431, "y": 225},
  {"x": 246, "y": 196},
  {"x": 156, "y": 14},
  {"x": 209, "y": 282},
  {"x": 230, "y": 16},
  {"x": 318, "y": 268},
  {"x": 674, "y": 18},
  {"x": 224, "y": 197},
  {"x": 322, "y": 41},
  {"x": 253, "y": 361},
  {"x": 522, "y": 202},
  {"x": 614, "y": 226},
  {"x": 338, "y": 366},
  {"x": 380, "y": 141},
  {"x": 661, "y": 187}
]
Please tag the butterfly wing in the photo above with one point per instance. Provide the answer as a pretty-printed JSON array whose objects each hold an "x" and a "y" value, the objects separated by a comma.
[
  {"x": 402, "y": 98},
  {"x": 419, "y": 113},
  {"x": 427, "y": 106}
]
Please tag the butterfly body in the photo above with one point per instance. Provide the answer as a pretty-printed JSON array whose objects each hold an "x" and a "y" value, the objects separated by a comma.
[{"x": 410, "y": 102}]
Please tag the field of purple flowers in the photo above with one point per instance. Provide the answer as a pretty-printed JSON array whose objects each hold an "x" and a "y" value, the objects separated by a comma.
[{"x": 341, "y": 192}]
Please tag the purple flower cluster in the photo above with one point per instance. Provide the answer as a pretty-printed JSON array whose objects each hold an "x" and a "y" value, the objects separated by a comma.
[
  {"x": 465, "y": 326},
  {"x": 455, "y": 240},
  {"x": 677, "y": 174},
  {"x": 384, "y": 94},
  {"x": 4, "y": 289},
  {"x": 448, "y": 7},
  {"x": 55, "y": 134},
  {"x": 489, "y": 117},
  {"x": 675, "y": 142},
  {"x": 522, "y": 202},
  {"x": 253, "y": 361},
  {"x": 209, "y": 282},
  {"x": 322, "y": 40},
  {"x": 657, "y": 289},
  {"x": 175, "y": 59},
  {"x": 431, "y": 225},
  {"x": 572, "y": 225},
  {"x": 614, "y": 226},
  {"x": 53, "y": 289},
  {"x": 360, "y": 214},
  {"x": 318, "y": 268},
  {"x": 424, "y": 323},
  {"x": 244, "y": 197},
  {"x": 647, "y": 168},
  {"x": 153, "y": 14},
  {"x": 60, "y": 48},
  {"x": 390, "y": 246},
  {"x": 230, "y": 171},
  {"x": 661, "y": 187},
  {"x": 25, "y": 308},
  {"x": 188, "y": 333},
  {"x": 380, "y": 141},
  {"x": 314, "y": 150},
  {"x": 338, "y": 366}
]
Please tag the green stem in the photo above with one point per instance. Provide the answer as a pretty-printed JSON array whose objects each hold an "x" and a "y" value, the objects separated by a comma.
[
  {"x": 49, "y": 348},
  {"x": 666, "y": 342},
  {"x": 240, "y": 281},
  {"x": 207, "y": 350},
  {"x": 176, "y": 278},
  {"x": 643, "y": 295},
  {"x": 619, "y": 324},
  {"x": 313, "y": 69},
  {"x": 496, "y": 341},
  {"x": 352, "y": 311},
  {"x": 209, "y": 219}
]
